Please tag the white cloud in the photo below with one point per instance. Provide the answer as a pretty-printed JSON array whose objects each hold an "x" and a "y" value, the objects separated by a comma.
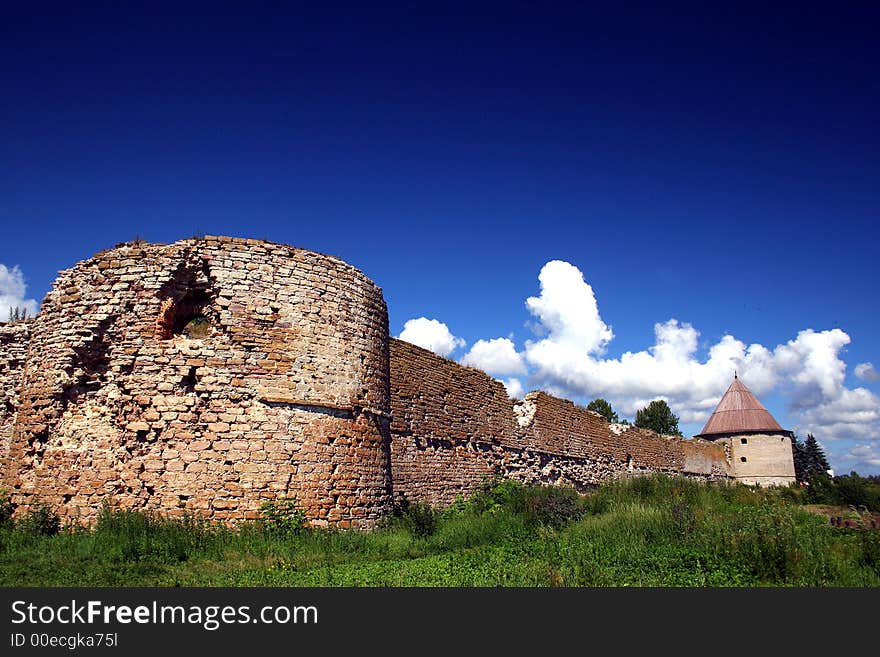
[
  {"x": 866, "y": 456},
  {"x": 567, "y": 358},
  {"x": 12, "y": 292},
  {"x": 514, "y": 388},
  {"x": 668, "y": 369},
  {"x": 867, "y": 372},
  {"x": 849, "y": 414},
  {"x": 812, "y": 363},
  {"x": 496, "y": 357},
  {"x": 807, "y": 371},
  {"x": 430, "y": 334},
  {"x": 567, "y": 308}
]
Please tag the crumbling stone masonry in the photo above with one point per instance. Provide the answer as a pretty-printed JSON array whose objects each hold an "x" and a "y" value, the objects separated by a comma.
[
  {"x": 214, "y": 374},
  {"x": 13, "y": 351},
  {"x": 453, "y": 426},
  {"x": 450, "y": 429}
]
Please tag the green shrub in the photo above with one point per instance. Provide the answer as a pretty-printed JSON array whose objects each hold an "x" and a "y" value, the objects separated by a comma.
[
  {"x": 820, "y": 490},
  {"x": 418, "y": 518},
  {"x": 40, "y": 521},
  {"x": 282, "y": 517},
  {"x": 553, "y": 506},
  {"x": 197, "y": 327},
  {"x": 7, "y": 508},
  {"x": 859, "y": 492},
  {"x": 494, "y": 495},
  {"x": 793, "y": 493}
]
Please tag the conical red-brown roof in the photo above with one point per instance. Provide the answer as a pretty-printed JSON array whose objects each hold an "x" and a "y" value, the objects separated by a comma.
[{"x": 739, "y": 411}]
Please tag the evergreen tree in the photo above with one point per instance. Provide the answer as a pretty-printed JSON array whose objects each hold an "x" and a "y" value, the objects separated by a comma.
[
  {"x": 814, "y": 457},
  {"x": 17, "y": 314},
  {"x": 657, "y": 416},
  {"x": 799, "y": 455},
  {"x": 604, "y": 409}
]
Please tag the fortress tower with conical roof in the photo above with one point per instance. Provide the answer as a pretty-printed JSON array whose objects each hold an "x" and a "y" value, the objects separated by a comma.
[{"x": 758, "y": 447}]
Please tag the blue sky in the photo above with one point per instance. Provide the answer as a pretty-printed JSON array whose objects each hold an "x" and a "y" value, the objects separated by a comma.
[{"x": 716, "y": 167}]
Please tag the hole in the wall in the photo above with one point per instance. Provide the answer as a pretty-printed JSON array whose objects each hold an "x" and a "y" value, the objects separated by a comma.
[
  {"x": 185, "y": 316},
  {"x": 186, "y": 307},
  {"x": 197, "y": 327},
  {"x": 37, "y": 446},
  {"x": 126, "y": 367},
  {"x": 742, "y": 458},
  {"x": 744, "y": 441},
  {"x": 189, "y": 380}
]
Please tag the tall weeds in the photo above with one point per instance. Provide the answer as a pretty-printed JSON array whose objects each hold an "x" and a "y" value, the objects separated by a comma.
[{"x": 645, "y": 531}]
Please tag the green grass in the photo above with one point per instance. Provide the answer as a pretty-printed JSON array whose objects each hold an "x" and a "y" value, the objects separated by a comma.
[{"x": 654, "y": 531}]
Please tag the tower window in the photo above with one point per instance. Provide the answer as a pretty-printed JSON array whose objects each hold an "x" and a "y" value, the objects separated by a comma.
[
  {"x": 186, "y": 302},
  {"x": 184, "y": 316},
  {"x": 744, "y": 441},
  {"x": 742, "y": 458}
]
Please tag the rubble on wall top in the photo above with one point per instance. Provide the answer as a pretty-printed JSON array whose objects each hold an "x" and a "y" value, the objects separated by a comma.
[{"x": 525, "y": 412}]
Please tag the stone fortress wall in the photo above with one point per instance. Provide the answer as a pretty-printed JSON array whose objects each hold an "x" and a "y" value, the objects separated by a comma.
[
  {"x": 214, "y": 374},
  {"x": 453, "y": 426}
]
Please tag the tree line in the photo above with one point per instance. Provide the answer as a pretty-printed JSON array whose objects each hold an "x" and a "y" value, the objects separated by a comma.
[
  {"x": 17, "y": 314},
  {"x": 656, "y": 416}
]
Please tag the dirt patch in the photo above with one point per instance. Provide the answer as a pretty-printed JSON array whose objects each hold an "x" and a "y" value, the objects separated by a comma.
[{"x": 831, "y": 511}]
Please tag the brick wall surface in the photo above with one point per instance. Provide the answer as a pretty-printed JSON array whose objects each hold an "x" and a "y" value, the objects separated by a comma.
[
  {"x": 565, "y": 443},
  {"x": 455, "y": 426},
  {"x": 449, "y": 425}
]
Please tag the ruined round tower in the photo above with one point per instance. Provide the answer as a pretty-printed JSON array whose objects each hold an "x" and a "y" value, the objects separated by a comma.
[{"x": 206, "y": 376}]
